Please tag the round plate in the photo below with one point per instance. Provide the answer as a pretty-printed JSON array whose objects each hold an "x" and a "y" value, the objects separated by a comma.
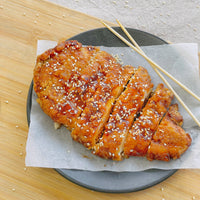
[{"x": 106, "y": 181}]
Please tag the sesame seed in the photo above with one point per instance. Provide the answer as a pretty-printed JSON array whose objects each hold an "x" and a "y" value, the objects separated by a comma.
[
  {"x": 6, "y": 102},
  {"x": 13, "y": 189}
]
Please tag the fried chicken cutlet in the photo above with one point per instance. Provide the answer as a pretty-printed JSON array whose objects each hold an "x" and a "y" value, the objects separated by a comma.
[{"x": 89, "y": 92}]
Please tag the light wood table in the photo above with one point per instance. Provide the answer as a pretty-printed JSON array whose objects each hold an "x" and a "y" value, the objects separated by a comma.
[{"x": 22, "y": 23}]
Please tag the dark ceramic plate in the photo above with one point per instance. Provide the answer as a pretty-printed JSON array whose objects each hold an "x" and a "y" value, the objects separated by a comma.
[{"x": 106, "y": 181}]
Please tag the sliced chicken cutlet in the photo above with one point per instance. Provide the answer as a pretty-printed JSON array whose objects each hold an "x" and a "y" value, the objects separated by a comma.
[
  {"x": 78, "y": 86},
  {"x": 90, "y": 124},
  {"x": 141, "y": 133},
  {"x": 170, "y": 141},
  {"x": 127, "y": 106}
]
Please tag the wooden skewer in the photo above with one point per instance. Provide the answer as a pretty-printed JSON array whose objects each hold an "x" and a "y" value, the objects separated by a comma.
[{"x": 139, "y": 50}]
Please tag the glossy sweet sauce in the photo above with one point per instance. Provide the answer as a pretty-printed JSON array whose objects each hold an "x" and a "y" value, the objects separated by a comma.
[{"x": 60, "y": 80}]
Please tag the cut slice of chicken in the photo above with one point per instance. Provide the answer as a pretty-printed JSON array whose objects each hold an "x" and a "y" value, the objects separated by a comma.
[
  {"x": 141, "y": 133},
  {"x": 170, "y": 141},
  {"x": 127, "y": 106},
  {"x": 90, "y": 124}
]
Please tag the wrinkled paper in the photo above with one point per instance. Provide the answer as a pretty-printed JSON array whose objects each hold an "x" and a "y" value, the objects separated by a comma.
[{"x": 47, "y": 147}]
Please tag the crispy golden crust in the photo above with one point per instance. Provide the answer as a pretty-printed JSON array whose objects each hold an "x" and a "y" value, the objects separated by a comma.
[
  {"x": 140, "y": 135},
  {"x": 126, "y": 107},
  {"x": 61, "y": 81},
  {"x": 90, "y": 124},
  {"x": 170, "y": 140}
]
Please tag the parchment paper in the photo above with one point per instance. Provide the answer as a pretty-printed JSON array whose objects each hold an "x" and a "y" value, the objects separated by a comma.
[{"x": 47, "y": 147}]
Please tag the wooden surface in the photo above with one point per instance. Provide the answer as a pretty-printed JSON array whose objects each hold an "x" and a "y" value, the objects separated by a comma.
[{"x": 22, "y": 23}]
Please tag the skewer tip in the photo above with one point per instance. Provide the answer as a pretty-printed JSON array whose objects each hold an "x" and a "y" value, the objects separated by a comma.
[
  {"x": 102, "y": 22},
  {"x": 118, "y": 21}
]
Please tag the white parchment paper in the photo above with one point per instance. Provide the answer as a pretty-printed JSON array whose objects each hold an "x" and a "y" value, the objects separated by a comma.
[{"x": 47, "y": 147}]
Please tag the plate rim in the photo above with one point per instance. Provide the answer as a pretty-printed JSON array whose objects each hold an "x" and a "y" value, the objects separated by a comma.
[
  {"x": 116, "y": 28},
  {"x": 153, "y": 183},
  {"x": 92, "y": 187}
]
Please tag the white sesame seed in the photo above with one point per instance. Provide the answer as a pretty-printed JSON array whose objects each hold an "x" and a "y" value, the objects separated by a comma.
[{"x": 13, "y": 189}]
